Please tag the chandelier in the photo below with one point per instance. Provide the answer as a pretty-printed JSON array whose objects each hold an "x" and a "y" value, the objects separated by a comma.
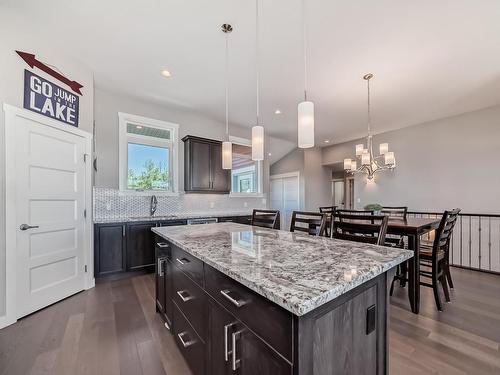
[{"x": 368, "y": 163}]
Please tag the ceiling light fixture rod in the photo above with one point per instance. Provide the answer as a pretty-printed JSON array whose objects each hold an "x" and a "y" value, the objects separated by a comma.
[
  {"x": 304, "y": 45},
  {"x": 226, "y": 28},
  {"x": 257, "y": 72}
]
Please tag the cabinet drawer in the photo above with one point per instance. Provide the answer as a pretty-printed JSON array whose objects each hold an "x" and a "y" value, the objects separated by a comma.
[
  {"x": 271, "y": 322},
  {"x": 188, "y": 264},
  {"x": 192, "y": 301},
  {"x": 189, "y": 343}
]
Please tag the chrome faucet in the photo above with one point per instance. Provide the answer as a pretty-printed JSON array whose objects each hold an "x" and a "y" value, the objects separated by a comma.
[{"x": 154, "y": 205}]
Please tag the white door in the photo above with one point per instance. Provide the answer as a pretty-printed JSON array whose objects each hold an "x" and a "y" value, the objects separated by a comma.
[
  {"x": 285, "y": 195},
  {"x": 338, "y": 193},
  {"x": 49, "y": 181}
]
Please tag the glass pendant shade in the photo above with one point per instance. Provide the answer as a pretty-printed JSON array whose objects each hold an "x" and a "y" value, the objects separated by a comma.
[
  {"x": 354, "y": 165},
  {"x": 365, "y": 158},
  {"x": 227, "y": 155},
  {"x": 347, "y": 164},
  {"x": 305, "y": 111},
  {"x": 384, "y": 148},
  {"x": 389, "y": 158},
  {"x": 359, "y": 149},
  {"x": 258, "y": 143}
]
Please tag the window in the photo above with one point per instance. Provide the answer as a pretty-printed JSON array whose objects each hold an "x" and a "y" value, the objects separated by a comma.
[
  {"x": 148, "y": 154},
  {"x": 246, "y": 173}
]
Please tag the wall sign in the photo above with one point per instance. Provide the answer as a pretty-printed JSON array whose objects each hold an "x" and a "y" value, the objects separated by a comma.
[{"x": 49, "y": 99}]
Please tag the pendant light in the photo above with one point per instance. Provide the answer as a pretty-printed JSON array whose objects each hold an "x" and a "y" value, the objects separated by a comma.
[
  {"x": 257, "y": 130},
  {"x": 227, "y": 146},
  {"x": 305, "y": 109}
]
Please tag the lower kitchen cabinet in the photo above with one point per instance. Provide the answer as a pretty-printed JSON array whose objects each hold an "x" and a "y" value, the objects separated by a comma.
[
  {"x": 140, "y": 247},
  {"x": 109, "y": 249}
]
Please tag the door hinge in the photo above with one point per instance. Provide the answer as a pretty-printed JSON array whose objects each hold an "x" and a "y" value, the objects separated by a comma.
[
  {"x": 85, "y": 268},
  {"x": 85, "y": 157},
  {"x": 85, "y": 213}
]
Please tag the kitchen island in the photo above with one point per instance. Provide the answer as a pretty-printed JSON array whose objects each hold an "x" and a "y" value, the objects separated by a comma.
[{"x": 249, "y": 300}]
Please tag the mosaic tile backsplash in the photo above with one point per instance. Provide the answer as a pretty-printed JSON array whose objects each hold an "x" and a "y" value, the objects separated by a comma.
[{"x": 115, "y": 204}]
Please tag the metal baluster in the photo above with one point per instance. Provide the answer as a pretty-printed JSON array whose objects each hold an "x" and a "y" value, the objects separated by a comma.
[
  {"x": 480, "y": 234},
  {"x": 470, "y": 241},
  {"x": 461, "y": 241},
  {"x": 489, "y": 243}
]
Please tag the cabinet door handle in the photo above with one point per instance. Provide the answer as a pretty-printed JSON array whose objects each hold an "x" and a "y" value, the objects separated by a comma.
[
  {"x": 182, "y": 261},
  {"x": 162, "y": 245},
  {"x": 184, "y": 299},
  {"x": 236, "y": 362},
  {"x": 226, "y": 352},
  {"x": 235, "y": 302},
  {"x": 185, "y": 343},
  {"x": 161, "y": 270},
  {"x": 123, "y": 230}
]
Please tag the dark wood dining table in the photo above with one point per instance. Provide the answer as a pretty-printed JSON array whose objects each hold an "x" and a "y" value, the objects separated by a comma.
[{"x": 413, "y": 228}]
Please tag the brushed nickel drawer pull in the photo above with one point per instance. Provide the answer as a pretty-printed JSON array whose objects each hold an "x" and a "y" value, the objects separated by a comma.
[
  {"x": 182, "y": 261},
  {"x": 237, "y": 303},
  {"x": 185, "y": 343},
  {"x": 226, "y": 352},
  {"x": 184, "y": 299},
  {"x": 162, "y": 245}
]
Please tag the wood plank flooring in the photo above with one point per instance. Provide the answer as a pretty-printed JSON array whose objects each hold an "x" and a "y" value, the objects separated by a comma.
[{"x": 114, "y": 329}]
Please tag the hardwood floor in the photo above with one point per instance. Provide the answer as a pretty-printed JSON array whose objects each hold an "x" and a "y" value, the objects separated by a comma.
[{"x": 113, "y": 329}]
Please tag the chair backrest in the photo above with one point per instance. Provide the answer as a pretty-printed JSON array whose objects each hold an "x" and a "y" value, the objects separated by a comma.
[
  {"x": 327, "y": 209},
  {"x": 444, "y": 231},
  {"x": 395, "y": 212},
  {"x": 341, "y": 215},
  {"x": 266, "y": 218},
  {"x": 359, "y": 227},
  {"x": 313, "y": 223}
]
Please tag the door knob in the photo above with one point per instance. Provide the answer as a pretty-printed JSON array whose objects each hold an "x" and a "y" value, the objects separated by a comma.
[{"x": 26, "y": 226}]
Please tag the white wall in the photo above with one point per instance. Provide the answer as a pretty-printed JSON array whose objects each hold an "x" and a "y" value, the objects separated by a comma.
[
  {"x": 15, "y": 34},
  {"x": 107, "y": 106},
  {"x": 452, "y": 162}
]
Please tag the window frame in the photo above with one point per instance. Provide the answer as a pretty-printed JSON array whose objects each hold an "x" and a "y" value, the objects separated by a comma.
[
  {"x": 124, "y": 138},
  {"x": 260, "y": 182}
]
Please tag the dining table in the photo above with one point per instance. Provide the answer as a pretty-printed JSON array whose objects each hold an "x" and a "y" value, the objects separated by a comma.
[{"x": 413, "y": 228}]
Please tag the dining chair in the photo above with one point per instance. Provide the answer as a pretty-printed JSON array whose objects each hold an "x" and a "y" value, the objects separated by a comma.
[
  {"x": 359, "y": 227},
  {"x": 395, "y": 212},
  {"x": 434, "y": 260},
  {"x": 266, "y": 218},
  {"x": 398, "y": 213},
  {"x": 313, "y": 223},
  {"x": 328, "y": 211}
]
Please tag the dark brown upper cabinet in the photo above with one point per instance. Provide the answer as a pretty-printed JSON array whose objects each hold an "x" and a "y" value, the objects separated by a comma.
[{"x": 203, "y": 171}]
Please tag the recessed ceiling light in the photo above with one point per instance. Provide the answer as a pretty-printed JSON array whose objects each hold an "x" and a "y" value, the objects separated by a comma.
[
  {"x": 277, "y": 112},
  {"x": 269, "y": 154},
  {"x": 166, "y": 73},
  {"x": 327, "y": 141}
]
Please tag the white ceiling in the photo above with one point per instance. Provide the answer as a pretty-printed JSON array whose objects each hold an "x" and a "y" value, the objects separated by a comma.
[{"x": 431, "y": 58}]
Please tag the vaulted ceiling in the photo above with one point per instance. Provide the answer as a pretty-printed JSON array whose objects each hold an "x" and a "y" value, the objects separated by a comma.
[{"x": 431, "y": 58}]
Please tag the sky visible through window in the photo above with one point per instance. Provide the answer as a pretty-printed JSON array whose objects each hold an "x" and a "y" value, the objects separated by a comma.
[{"x": 148, "y": 167}]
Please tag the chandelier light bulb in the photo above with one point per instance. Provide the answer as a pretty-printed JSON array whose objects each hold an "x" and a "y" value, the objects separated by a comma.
[{"x": 359, "y": 149}]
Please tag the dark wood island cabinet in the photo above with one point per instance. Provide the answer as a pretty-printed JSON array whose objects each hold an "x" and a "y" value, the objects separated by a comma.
[{"x": 241, "y": 305}]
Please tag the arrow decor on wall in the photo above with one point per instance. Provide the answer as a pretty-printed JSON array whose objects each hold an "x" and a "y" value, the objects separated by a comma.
[{"x": 31, "y": 60}]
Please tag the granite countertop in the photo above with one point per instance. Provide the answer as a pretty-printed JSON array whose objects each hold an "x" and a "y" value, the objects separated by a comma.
[
  {"x": 192, "y": 215},
  {"x": 294, "y": 270}
]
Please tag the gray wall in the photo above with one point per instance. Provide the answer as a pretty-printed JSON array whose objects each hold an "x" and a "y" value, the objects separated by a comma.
[
  {"x": 315, "y": 179},
  {"x": 14, "y": 37},
  {"x": 451, "y": 162}
]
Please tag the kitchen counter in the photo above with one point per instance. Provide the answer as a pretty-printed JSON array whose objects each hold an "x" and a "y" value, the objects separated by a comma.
[
  {"x": 179, "y": 216},
  {"x": 296, "y": 271}
]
